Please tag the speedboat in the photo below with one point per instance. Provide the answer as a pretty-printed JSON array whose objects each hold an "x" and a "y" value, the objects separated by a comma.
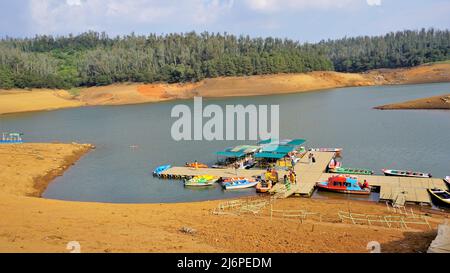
[
  {"x": 406, "y": 173},
  {"x": 440, "y": 197},
  {"x": 161, "y": 169},
  {"x": 240, "y": 183},
  {"x": 344, "y": 184},
  {"x": 201, "y": 181}
]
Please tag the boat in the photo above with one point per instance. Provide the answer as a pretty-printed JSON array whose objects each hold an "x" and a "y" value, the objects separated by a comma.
[
  {"x": 161, "y": 169},
  {"x": 11, "y": 138},
  {"x": 343, "y": 170},
  {"x": 344, "y": 184},
  {"x": 240, "y": 184},
  {"x": 406, "y": 173},
  {"x": 331, "y": 150},
  {"x": 440, "y": 197},
  {"x": 196, "y": 165},
  {"x": 263, "y": 186},
  {"x": 201, "y": 181}
]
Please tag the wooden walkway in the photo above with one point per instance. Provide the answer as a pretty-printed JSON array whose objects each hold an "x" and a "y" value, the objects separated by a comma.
[{"x": 309, "y": 174}]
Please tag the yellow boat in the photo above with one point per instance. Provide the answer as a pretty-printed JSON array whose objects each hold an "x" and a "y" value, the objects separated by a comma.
[{"x": 201, "y": 181}]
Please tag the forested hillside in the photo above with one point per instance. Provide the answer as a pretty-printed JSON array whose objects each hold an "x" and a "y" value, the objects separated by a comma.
[{"x": 95, "y": 59}]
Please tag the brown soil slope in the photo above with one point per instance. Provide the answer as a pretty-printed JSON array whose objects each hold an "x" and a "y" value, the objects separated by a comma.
[{"x": 119, "y": 94}]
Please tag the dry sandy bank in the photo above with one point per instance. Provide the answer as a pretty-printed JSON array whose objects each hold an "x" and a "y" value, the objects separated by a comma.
[
  {"x": 119, "y": 94},
  {"x": 436, "y": 102}
]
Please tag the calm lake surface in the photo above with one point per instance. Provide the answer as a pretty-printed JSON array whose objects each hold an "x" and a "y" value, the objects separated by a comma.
[{"x": 114, "y": 172}]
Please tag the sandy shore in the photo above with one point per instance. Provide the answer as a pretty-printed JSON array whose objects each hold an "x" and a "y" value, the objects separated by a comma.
[
  {"x": 119, "y": 94},
  {"x": 31, "y": 224},
  {"x": 436, "y": 102}
]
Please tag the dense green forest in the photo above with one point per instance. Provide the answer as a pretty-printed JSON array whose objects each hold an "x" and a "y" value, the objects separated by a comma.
[{"x": 96, "y": 59}]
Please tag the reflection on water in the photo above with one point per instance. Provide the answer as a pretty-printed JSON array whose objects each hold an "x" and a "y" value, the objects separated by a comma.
[{"x": 114, "y": 172}]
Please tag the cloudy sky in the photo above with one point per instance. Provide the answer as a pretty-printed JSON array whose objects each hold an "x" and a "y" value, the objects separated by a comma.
[{"x": 303, "y": 20}]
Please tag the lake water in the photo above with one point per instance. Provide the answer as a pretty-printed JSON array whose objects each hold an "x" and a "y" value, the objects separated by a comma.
[{"x": 114, "y": 172}]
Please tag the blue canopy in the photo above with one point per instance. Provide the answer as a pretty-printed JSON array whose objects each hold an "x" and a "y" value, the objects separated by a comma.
[
  {"x": 230, "y": 154},
  {"x": 281, "y": 149},
  {"x": 291, "y": 142},
  {"x": 269, "y": 155}
]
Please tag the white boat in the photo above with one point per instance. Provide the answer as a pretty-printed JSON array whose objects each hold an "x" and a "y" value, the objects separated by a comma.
[
  {"x": 406, "y": 173},
  {"x": 240, "y": 184}
]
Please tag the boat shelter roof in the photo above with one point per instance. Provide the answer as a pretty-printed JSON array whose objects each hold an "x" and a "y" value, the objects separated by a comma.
[
  {"x": 269, "y": 155},
  {"x": 239, "y": 151},
  {"x": 291, "y": 142}
]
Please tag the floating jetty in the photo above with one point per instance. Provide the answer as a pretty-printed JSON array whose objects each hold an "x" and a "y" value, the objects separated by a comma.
[{"x": 415, "y": 189}]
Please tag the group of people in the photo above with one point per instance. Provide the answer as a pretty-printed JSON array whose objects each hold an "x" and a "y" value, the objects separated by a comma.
[
  {"x": 272, "y": 175},
  {"x": 291, "y": 177}
]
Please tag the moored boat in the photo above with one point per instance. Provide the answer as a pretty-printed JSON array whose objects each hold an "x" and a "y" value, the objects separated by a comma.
[
  {"x": 343, "y": 170},
  {"x": 160, "y": 169},
  {"x": 196, "y": 165},
  {"x": 201, "y": 181},
  {"x": 406, "y": 173},
  {"x": 263, "y": 186},
  {"x": 331, "y": 150},
  {"x": 440, "y": 197},
  {"x": 344, "y": 184},
  {"x": 240, "y": 184}
]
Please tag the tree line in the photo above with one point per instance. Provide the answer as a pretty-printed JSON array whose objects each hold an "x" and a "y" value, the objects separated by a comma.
[{"x": 94, "y": 58}]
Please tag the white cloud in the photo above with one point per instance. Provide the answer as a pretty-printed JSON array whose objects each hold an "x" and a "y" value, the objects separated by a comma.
[
  {"x": 56, "y": 16},
  {"x": 73, "y": 2},
  {"x": 283, "y": 5},
  {"x": 374, "y": 2}
]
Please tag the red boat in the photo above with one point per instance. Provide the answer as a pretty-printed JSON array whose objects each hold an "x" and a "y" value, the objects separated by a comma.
[{"x": 344, "y": 184}]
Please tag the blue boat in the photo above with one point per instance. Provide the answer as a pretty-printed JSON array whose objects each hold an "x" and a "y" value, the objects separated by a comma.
[
  {"x": 8, "y": 138},
  {"x": 161, "y": 169},
  {"x": 344, "y": 184},
  {"x": 239, "y": 183}
]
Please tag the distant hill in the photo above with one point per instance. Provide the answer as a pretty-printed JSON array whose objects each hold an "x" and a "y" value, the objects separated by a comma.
[{"x": 95, "y": 59}]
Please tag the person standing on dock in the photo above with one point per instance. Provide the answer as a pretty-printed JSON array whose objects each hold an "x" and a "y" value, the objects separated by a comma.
[
  {"x": 310, "y": 156},
  {"x": 313, "y": 159}
]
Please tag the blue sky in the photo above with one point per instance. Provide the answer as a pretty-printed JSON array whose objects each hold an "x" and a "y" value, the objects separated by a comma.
[{"x": 303, "y": 20}]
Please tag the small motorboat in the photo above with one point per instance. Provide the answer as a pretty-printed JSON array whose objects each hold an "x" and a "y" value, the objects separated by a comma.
[
  {"x": 344, "y": 184},
  {"x": 440, "y": 197},
  {"x": 196, "y": 165},
  {"x": 240, "y": 184},
  {"x": 263, "y": 186},
  {"x": 406, "y": 173},
  {"x": 201, "y": 181},
  {"x": 354, "y": 171},
  {"x": 161, "y": 169},
  {"x": 331, "y": 150}
]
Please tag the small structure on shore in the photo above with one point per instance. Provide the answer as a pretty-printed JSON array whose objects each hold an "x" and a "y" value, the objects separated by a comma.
[{"x": 11, "y": 138}]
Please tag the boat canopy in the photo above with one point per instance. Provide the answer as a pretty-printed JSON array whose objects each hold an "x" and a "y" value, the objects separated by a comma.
[
  {"x": 291, "y": 142},
  {"x": 230, "y": 154},
  {"x": 239, "y": 151},
  {"x": 269, "y": 155},
  {"x": 279, "y": 149}
]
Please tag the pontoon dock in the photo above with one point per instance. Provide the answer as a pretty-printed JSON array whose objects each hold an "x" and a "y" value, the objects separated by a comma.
[{"x": 308, "y": 174}]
